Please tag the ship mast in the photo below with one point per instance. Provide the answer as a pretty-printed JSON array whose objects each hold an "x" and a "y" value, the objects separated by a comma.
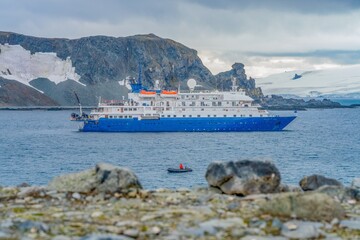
[
  {"x": 234, "y": 86},
  {"x": 78, "y": 100}
]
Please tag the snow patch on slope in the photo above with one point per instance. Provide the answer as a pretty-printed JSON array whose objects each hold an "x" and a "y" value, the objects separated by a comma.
[
  {"x": 336, "y": 81},
  {"x": 17, "y": 63}
]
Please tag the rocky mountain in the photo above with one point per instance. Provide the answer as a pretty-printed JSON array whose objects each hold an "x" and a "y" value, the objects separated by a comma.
[
  {"x": 223, "y": 81},
  {"x": 47, "y": 71},
  {"x": 96, "y": 66}
]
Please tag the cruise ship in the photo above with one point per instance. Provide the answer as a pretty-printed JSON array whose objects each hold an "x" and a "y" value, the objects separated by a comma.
[{"x": 181, "y": 111}]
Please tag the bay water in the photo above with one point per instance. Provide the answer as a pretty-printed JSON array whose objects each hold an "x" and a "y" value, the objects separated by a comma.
[{"x": 36, "y": 146}]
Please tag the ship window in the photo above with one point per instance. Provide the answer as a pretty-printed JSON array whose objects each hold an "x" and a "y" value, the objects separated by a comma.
[
  {"x": 169, "y": 116},
  {"x": 234, "y": 115},
  {"x": 224, "y": 115},
  {"x": 162, "y": 115},
  {"x": 208, "y": 115},
  {"x": 214, "y": 115},
  {"x": 110, "y": 116},
  {"x": 184, "y": 115},
  {"x": 125, "y": 116},
  {"x": 198, "y": 115},
  {"x": 219, "y": 103},
  {"x": 250, "y": 115},
  {"x": 125, "y": 109},
  {"x": 202, "y": 109},
  {"x": 190, "y": 115},
  {"x": 174, "y": 115},
  {"x": 261, "y": 115},
  {"x": 120, "y": 116},
  {"x": 130, "y": 116},
  {"x": 183, "y": 103}
]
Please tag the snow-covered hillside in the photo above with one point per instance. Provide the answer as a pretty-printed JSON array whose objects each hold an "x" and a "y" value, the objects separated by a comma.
[
  {"x": 335, "y": 82},
  {"x": 17, "y": 63}
]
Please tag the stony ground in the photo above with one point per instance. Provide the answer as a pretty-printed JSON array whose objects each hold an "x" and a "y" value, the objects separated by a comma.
[{"x": 39, "y": 213}]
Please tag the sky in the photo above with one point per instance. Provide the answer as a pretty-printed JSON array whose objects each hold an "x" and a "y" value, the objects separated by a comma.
[{"x": 268, "y": 36}]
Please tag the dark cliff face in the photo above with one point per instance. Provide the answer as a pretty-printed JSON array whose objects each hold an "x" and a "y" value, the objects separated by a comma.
[
  {"x": 13, "y": 93},
  {"x": 103, "y": 61}
]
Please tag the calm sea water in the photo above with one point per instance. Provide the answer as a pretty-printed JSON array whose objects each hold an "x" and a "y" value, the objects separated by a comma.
[{"x": 36, "y": 146}]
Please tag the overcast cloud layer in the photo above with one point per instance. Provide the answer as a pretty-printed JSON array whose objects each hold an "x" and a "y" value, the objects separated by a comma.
[{"x": 267, "y": 36}]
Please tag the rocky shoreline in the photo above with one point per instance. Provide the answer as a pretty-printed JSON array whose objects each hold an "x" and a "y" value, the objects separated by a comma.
[{"x": 108, "y": 202}]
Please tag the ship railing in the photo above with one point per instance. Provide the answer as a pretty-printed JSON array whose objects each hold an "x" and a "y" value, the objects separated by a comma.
[{"x": 118, "y": 103}]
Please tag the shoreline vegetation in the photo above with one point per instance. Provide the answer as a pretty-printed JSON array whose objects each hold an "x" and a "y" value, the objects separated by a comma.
[{"x": 244, "y": 200}]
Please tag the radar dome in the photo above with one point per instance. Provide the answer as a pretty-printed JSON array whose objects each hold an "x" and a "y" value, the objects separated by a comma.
[{"x": 191, "y": 84}]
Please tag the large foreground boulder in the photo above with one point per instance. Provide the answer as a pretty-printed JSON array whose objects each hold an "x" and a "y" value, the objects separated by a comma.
[
  {"x": 104, "y": 178},
  {"x": 340, "y": 193},
  {"x": 313, "y": 182},
  {"x": 243, "y": 177},
  {"x": 307, "y": 206}
]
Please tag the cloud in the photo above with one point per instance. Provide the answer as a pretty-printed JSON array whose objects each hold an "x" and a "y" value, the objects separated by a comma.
[{"x": 224, "y": 32}]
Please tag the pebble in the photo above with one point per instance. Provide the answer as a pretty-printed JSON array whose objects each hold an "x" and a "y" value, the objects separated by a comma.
[
  {"x": 131, "y": 233},
  {"x": 97, "y": 214},
  {"x": 301, "y": 229},
  {"x": 76, "y": 196},
  {"x": 352, "y": 224}
]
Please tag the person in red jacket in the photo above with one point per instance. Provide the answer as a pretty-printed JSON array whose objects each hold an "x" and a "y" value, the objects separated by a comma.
[{"x": 181, "y": 166}]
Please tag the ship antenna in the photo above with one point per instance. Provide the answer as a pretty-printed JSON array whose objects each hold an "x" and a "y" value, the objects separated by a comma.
[{"x": 78, "y": 100}]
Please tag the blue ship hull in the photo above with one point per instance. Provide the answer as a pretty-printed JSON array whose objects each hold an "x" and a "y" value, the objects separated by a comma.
[{"x": 225, "y": 124}]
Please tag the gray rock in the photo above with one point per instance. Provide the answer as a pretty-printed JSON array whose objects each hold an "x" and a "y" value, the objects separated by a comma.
[
  {"x": 352, "y": 224},
  {"x": 276, "y": 224},
  {"x": 288, "y": 188},
  {"x": 356, "y": 183},
  {"x": 76, "y": 196},
  {"x": 105, "y": 237},
  {"x": 213, "y": 226},
  {"x": 104, "y": 178},
  {"x": 243, "y": 177},
  {"x": 308, "y": 206},
  {"x": 340, "y": 193},
  {"x": 254, "y": 237},
  {"x": 134, "y": 233},
  {"x": 6, "y": 235},
  {"x": 61, "y": 237},
  {"x": 315, "y": 181},
  {"x": 301, "y": 230},
  {"x": 113, "y": 179},
  {"x": 29, "y": 225},
  {"x": 31, "y": 191}
]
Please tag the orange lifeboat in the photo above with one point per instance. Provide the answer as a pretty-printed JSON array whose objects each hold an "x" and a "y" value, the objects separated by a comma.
[
  {"x": 168, "y": 92},
  {"x": 147, "y": 92}
]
